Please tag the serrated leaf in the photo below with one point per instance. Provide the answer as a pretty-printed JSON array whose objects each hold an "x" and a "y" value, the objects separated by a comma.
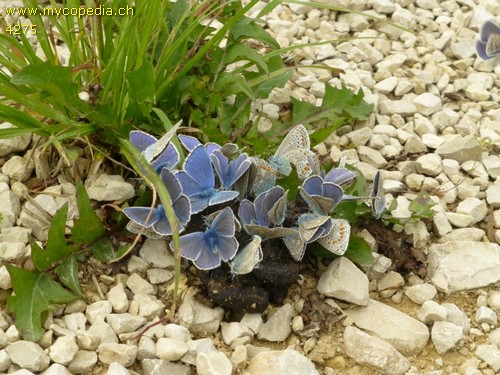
[
  {"x": 359, "y": 251},
  {"x": 239, "y": 51},
  {"x": 339, "y": 106},
  {"x": 88, "y": 227},
  {"x": 68, "y": 274},
  {"x": 56, "y": 248},
  {"x": 103, "y": 250},
  {"x": 36, "y": 294},
  {"x": 246, "y": 27}
]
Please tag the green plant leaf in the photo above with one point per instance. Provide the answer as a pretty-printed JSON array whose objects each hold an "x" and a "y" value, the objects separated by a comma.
[
  {"x": 141, "y": 89},
  {"x": 55, "y": 79},
  {"x": 36, "y": 294},
  {"x": 359, "y": 251},
  {"x": 339, "y": 107},
  {"x": 104, "y": 251},
  {"x": 239, "y": 51},
  {"x": 88, "y": 227},
  {"x": 56, "y": 248},
  {"x": 248, "y": 28},
  {"x": 68, "y": 274}
]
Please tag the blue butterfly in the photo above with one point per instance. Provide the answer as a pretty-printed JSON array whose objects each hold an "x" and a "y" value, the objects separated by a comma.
[
  {"x": 158, "y": 221},
  {"x": 198, "y": 181},
  {"x": 294, "y": 149},
  {"x": 340, "y": 176},
  {"x": 160, "y": 153},
  {"x": 488, "y": 45},
  {"x": 337, "y": 240},
  {"x": 190, "y": 143},
  {"x": 264, "y": 216},
  {"x": 207, "y": 249},
  {"x": 313, "y": 227},
  {"x": 247, "y": 258},
  {"x": 321, "y": 196},
  {"x": 229, "y": 172}
]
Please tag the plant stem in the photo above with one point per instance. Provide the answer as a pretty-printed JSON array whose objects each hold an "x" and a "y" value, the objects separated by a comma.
[{"x": 147, "y": 172}]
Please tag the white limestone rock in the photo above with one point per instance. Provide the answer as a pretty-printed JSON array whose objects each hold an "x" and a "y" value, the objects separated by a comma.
[
  {"x": 199, "y": 318},
  {"x": 233, "y": 330},
  {"x": 160, "y": 367},
  {"x": 374, "y": 352},
  {"x": 196, "y": 347},
  {"x": 10, "y": 208},
  {"x": 170, "y": 349},
  {"x": 83, "y": 362},
  {"x": 457, "y": 317},
  {"x": 98, "y": 311},
  {"x": 372, "y": 157},
  {"x": 13, "y": 144},
  {"x": 156, "y": 253},
  {"x": 445, "y": 336},
  {"x": 55, "y": 369},
  {"x": 431, "y": 312},
  {"x": 175, "y": 331},
  {"x": 63, "y": 350},
  {"x": 486, "y": 315},
  {"x": 212, "y": 363},
  {"x": 475, "y": 207},
  {"x": 116, "y": 369},
  {"x": 280, "y": 362},
  {"x": 18, "y": 168},
  {"x": 139, "y": 286},
  {"x": 123, "y": 354},
  {"x": 493, "y": 196},
  {"x": 343, "y": 280},
  {"x": 407, "y": 335},
  {"x": 463, "y": 265},
  {"x": 125, "y": 323},
  {"x": 253, "y": 321},
  {"x": 146, "y": 305},
  {"x": 490, "y": 354},
  {"x": 100, "y": 332},
  {"x": 430, "y": 165},
  {"x": 28, "y": 355},
  {"x": 110, "y": 188},
  {"x": 421, "y": 293},
  {"x": 277, "y": 328},
  {"x": 389, "y": 284},
  {"x": 427, "y": 103},
  {"x": 460, "y": 149},
  {"x": 118, "y": 298}
]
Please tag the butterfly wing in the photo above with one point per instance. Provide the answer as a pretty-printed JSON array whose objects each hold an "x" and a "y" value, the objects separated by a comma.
[
  {"x": 246, "y": 212},
  {"x": 378, "y": 196},
  {"x": 199, "y": 168},
  {"x": 312, "y": 227},
  {"x": 223, "y": 224},
  {"x": 489, "y": 28},
  {"x": 189, "y": 142},
  {"x": 169, "y": 158},
  {"x": 141, "y": 140},
  {"x": 192, "y": 245},
  {"x": 338, "y": 239},
  {"x": 277, "y": 213},
  {"x": 247, "y": 258},
  {"x": 264, "y": 176},
  {"x": 340, "y": 176},
  {"x": 295, "y": 246},
  {"x": 139, "y": 215},
  {"x": 493, "y": 45},
  {"x": 297, "y": 138},
  {"x": 135, "y": 228}
]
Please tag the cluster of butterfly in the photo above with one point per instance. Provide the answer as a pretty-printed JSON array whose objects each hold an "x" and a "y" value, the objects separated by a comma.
[
  {"x": 195, "y": 188},
  {"x": 488, "y": 45}
]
